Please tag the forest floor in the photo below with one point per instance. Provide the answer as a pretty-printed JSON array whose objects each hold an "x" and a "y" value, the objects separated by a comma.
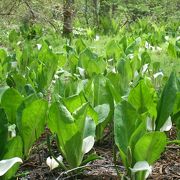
[{"x": 35, "y": 168}]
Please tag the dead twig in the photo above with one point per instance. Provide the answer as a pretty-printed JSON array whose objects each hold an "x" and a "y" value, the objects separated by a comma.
[{"x": 87, "y": 166}]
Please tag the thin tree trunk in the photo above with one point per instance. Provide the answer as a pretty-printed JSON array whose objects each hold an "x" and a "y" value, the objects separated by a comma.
[
  {"x": 104, "y": 8},
  {"x": 104, "y": 16},
  {"x": 114, "y": 9},
  {"x": 85, "y": 12},
  {"x": 68, "y": 17},
  {"x": 95, "y": 12}
]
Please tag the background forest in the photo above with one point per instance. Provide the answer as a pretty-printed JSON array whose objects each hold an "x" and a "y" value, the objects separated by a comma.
[{"x": 105, "y": 16}]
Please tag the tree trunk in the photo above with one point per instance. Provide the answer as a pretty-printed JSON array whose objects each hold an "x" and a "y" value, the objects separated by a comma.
[
  {"x": 104, "y": 16},
  {"x": 86, "y": 12},
  {"x": 104, "y": 8},
  {"x": 114, "y": 9},
  {"x": 68, "y": 17},
  {"x": 95, "y": 13}
]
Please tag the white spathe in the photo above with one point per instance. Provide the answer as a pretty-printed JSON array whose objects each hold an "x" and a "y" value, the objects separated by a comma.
[
  {"x": 178, "y": 38},
  {"x": 158, "y": 48},
  {"x": 144, "y": 68},
  {"x": 167, "y": 125},
  {"x": 142, "y": 166},
  {"x": 39, "y": 46},
  {"x": 14, "y": 64},
  {"x": 18, "y": 43},
  {"x": 52, "y": 163},
  {"x": 131, "y": 56},
  {"x": 81, "y": 71},
  {"x": 136, "y": 74},
  {"x": 158, "y": 74},
  {"x": 12, "y": 130},
  {"x": 150, "y": 125},
  {"x": 166, "y": 38},
  {"x": 147, "y": 45},
  {"x": 5, "y": 165},
  {"x": 97, "y": 38},
  {"x": 88, "y": 144}
]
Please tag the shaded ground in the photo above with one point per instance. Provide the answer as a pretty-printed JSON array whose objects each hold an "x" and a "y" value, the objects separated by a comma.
[{"x": 167, "y": 168}]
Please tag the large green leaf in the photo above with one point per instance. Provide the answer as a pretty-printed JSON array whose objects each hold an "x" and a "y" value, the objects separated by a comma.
[
  {"x": 137, "y": 134},
  {"x": 149, "y": 147},
  {"x": 176, "y": 107},
  {"x": 123, "y": 42},
  {"x": 98, "y": 92},
  {"x": 80, "y": 45},
  {"x": 60, "y": 117},
  {"x": 13, "y": 149},
  {"x": 70, "y": 131},
  {"x": 10, "y": 101},
  {"x": 2, "y": 90},
  {"x": 112, "y": 50},
  {"x": 167, "y": 100},
  {"x": 125, "y": 119},
  {"x": 47, "y": 67},
  {"x": 3, "y": 57},
  {"x": 3, "y": 130},
  {"x": 176, "y": 111},
  {"x": 65, "y": 86},
  {"x": 172, "y": 50},
  {"x": 133, "y": 46},
  {"x": 74, "y": 102},
  {"x": 102, "y": 111},
  {"x": 126, "y": 75},
  {"x": 145, "y": 58},
  {"x": 62, "y": 123},
  {"x": 114, "y": 84},
  {"x": 142, "y": 98},
  {"x": 31, "y": 122},
  {"x": 4, "y": 63},
  {"x": 90, "y": 127},
  {"x": 91, "y": 62}
]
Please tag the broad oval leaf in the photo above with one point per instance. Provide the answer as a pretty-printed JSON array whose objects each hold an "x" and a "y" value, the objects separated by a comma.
[
  {"x": 31, "y": 122},
  {"x": 3, "y": 129},
  {"x": 141, "y": 97},
  {"x": 10, "y": 101},
  {"x": 102, "y": 111},
  {"x": 2, "y": 90},
  {"x": 70, "y": 130},
  {"x": 125, "y": 118},
  {"x": 149, "y": 147}
]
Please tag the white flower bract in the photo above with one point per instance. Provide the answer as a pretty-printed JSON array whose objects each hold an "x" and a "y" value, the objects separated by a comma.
[
  {"x": 88, "y": 144},
  {"x": 5, "y": 165},
  {"x": 167, "y": 125},
  {"x": 52, "y": 163},
  {"x": 12, "y": 130},
  {"x": 142, "y": 166}
]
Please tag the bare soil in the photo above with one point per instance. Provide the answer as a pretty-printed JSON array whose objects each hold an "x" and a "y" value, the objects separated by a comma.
[{"x": 35, "y": 168}]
